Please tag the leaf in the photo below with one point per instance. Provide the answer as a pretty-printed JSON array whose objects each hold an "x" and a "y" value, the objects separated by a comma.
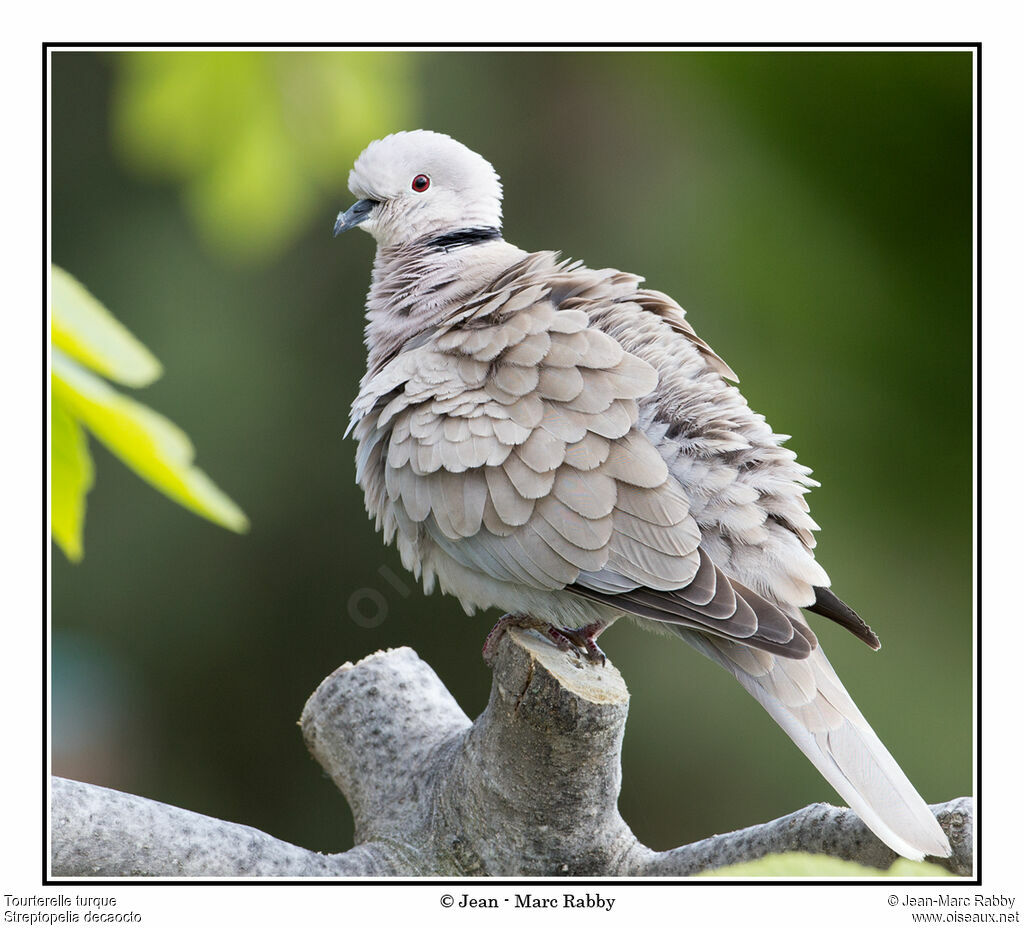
[
  {"x": 70, "y": 479},
  {"x": 260, "y": 141},
  {"x": 83, "y": 328},
  {"x": 799, "y": 864},
  {"x": 153, "y": 446}
]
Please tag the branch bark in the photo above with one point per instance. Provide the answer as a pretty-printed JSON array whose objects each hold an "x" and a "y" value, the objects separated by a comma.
[{"x": 528, "y": 789}]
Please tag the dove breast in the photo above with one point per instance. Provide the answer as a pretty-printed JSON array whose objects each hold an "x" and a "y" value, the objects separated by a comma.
[{"x": 510, "y": 457}]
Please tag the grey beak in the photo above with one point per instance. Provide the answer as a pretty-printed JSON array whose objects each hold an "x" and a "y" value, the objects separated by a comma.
[{"x": 355, "y": 214}]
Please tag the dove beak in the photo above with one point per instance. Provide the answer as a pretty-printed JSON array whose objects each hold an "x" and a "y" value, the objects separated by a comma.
[{"x": 355, "y": 214}]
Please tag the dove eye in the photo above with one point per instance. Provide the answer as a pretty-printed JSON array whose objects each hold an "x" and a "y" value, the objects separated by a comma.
[{"x": 420, "y": 183}]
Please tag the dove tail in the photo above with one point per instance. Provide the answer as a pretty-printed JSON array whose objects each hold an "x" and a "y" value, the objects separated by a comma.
[{"x": 806, "y": 698}]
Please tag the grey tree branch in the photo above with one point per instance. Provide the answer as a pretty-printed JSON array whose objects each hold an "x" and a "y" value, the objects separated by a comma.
[{"x": 528, "y": 789}]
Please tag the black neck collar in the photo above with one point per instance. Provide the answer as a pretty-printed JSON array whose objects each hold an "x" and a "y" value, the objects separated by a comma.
[{"x": 462, "y": 237}]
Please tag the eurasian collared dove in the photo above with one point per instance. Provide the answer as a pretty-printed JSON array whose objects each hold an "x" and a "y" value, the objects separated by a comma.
[{"x": 558, "y": 442}]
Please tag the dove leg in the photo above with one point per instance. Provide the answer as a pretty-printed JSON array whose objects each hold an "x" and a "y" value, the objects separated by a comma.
[{"x": 585, "y": 640}]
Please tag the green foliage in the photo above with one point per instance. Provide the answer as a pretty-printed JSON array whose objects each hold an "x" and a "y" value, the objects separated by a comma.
[
  {"x": 255, "y": 138},
  {"x": 820, "y": 865},
  {"x": 85, "y": 335},
  {"x": 83, "y": 329},
  {"x": 70, "y": 480}
]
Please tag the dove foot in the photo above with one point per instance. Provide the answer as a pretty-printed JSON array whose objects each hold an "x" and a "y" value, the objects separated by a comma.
[
  {"x": 512, "y": 620},
  {"x": 584, "y": 641},
  {"x": 580, "y": 640}
]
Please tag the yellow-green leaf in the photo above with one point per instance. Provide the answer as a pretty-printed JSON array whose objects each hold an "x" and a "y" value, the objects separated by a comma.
[
  {"x": 70, "y": 479},
  {"x": 153, "y": 446},
  {"x": 84, "y": 329},
  {"x": 799, "y": 864},
  {"x": 258, "y": 140}
]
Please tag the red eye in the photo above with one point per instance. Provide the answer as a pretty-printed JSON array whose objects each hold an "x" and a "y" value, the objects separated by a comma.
[{"x": 420, "y": 183}]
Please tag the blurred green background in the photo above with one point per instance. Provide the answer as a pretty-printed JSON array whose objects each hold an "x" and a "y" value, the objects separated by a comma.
[{"x": 811, "y": 211}]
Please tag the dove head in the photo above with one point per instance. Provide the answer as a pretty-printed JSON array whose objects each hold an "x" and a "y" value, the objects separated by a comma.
[{"x": 412, "y": 184}]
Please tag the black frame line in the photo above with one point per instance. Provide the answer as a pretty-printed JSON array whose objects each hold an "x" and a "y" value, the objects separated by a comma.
[{"x": 509, "y": 881}]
